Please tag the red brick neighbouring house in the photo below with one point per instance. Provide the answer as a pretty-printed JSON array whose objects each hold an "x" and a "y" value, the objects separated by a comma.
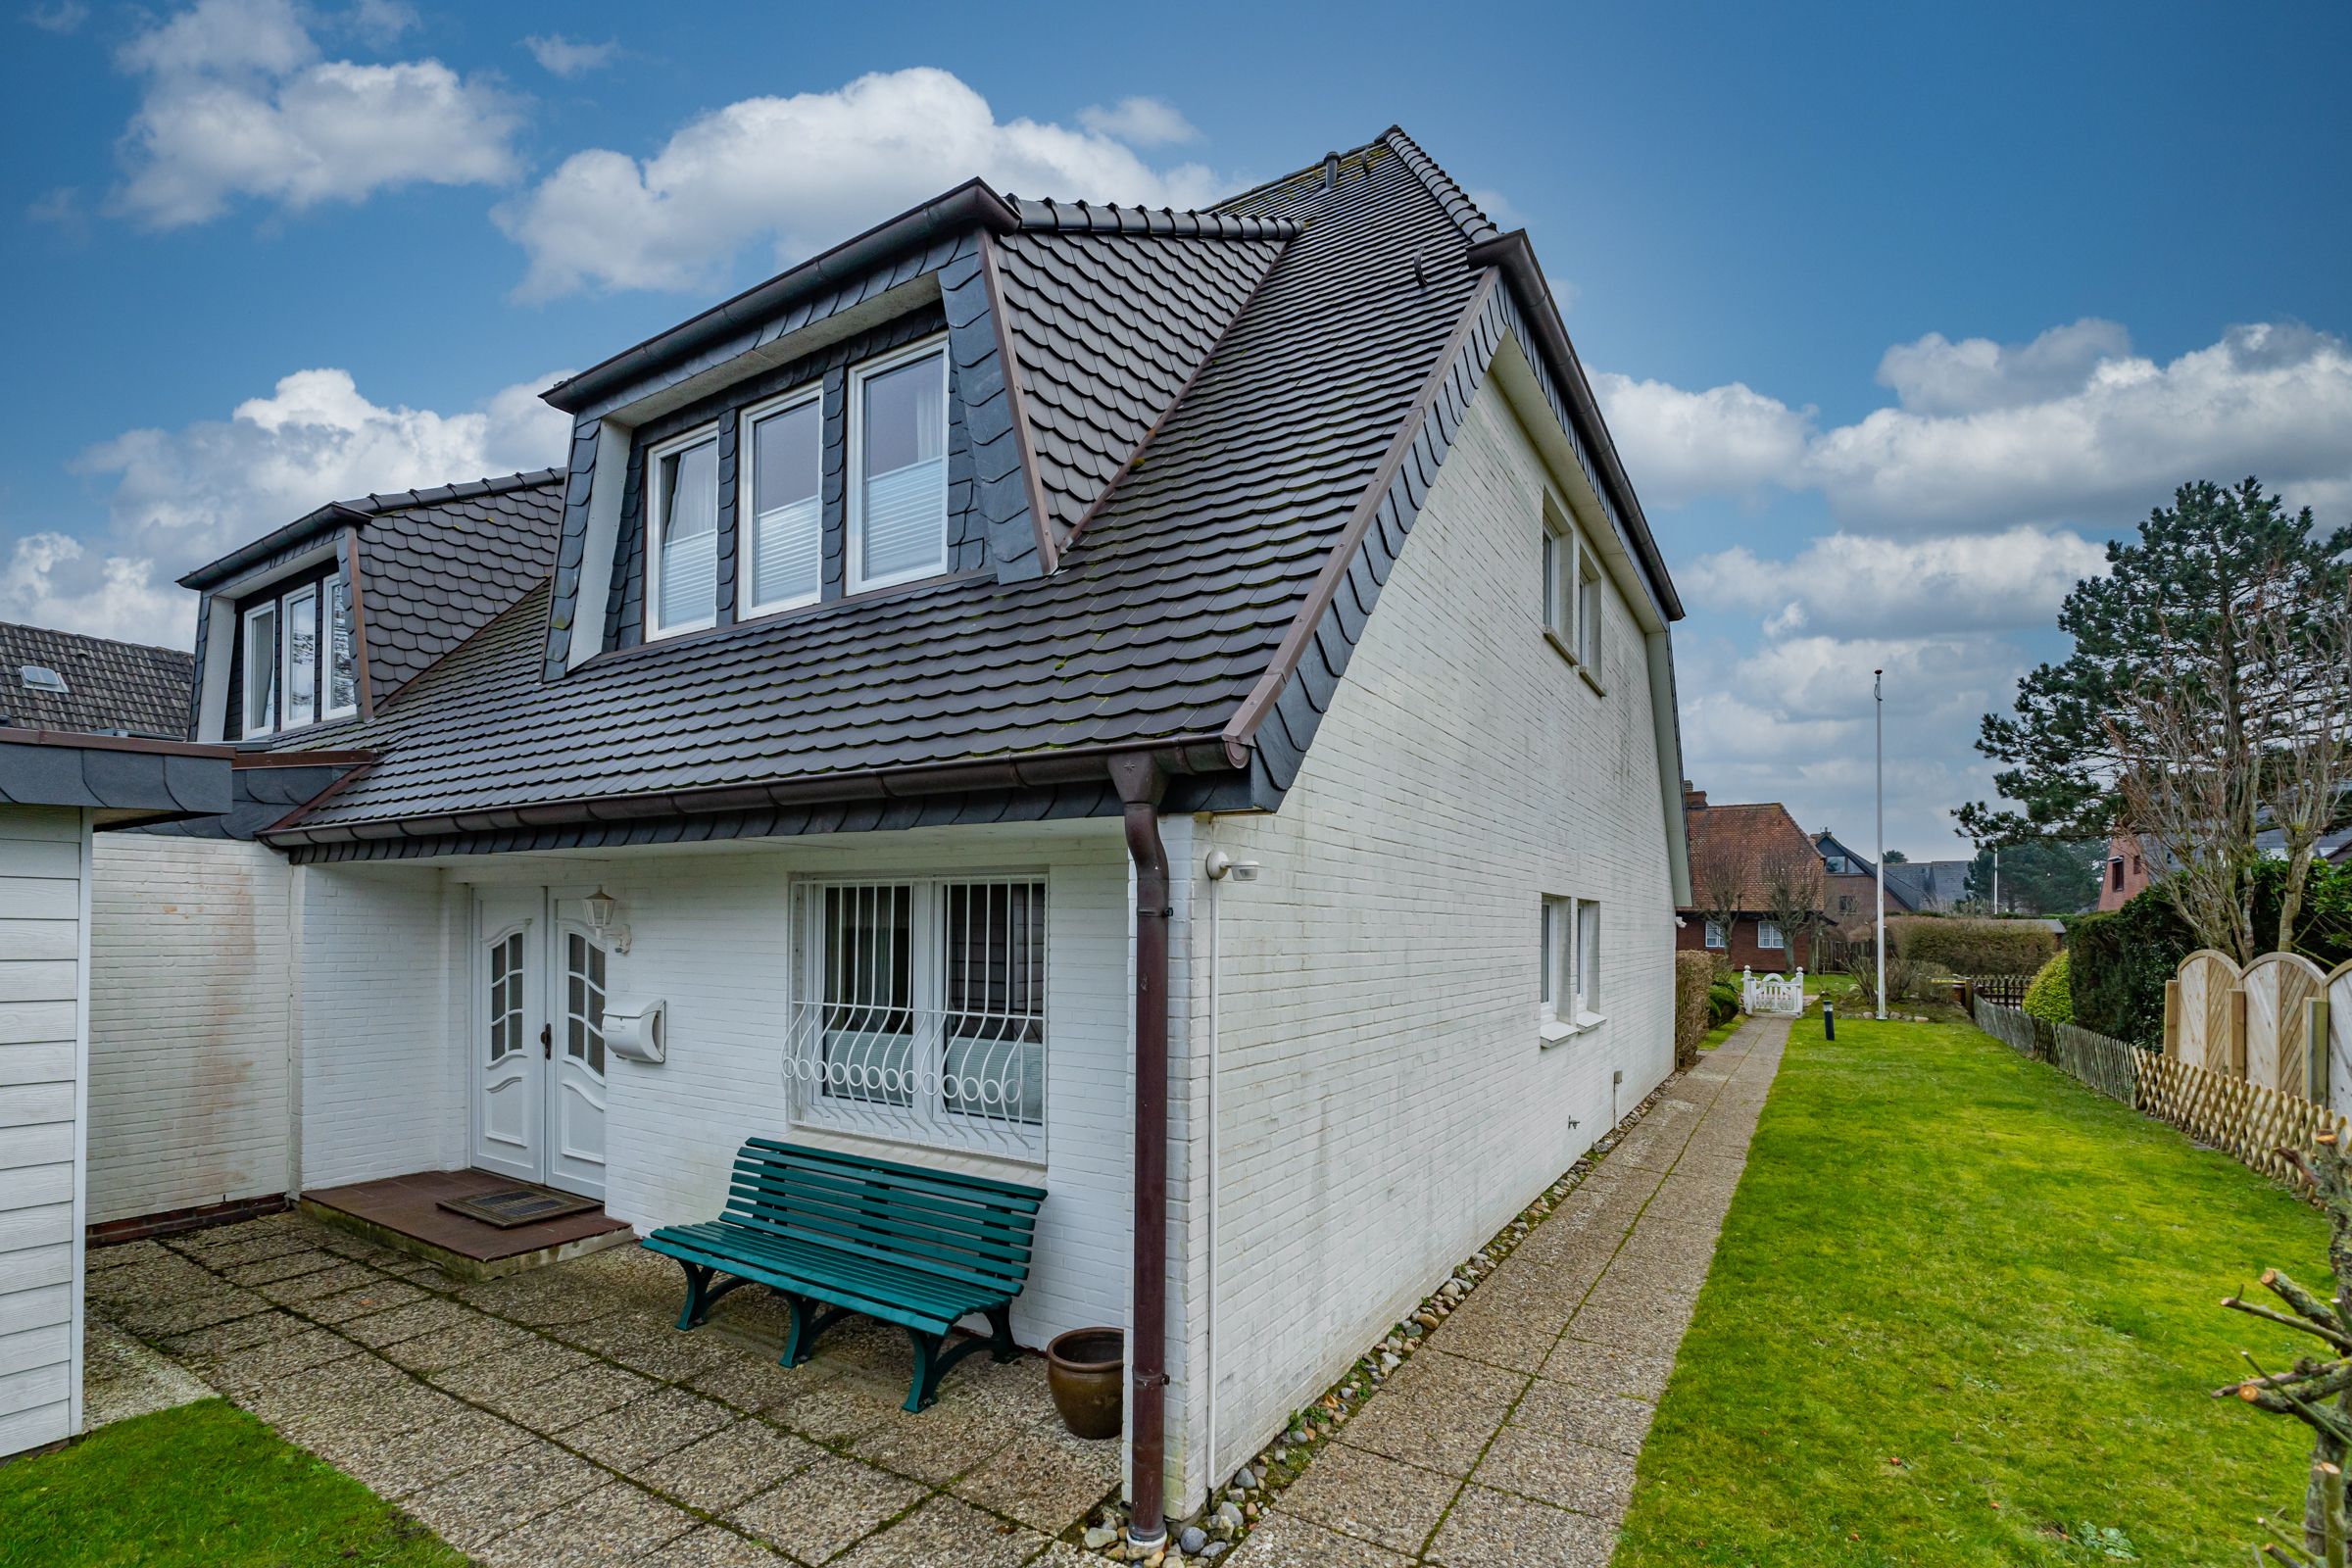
[{"x": 1738, "y": 842}]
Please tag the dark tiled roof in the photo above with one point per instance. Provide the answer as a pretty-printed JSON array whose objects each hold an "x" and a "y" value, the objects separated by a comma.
[
  {"x": 1301, "y": 446},
  {"x": 1928, "y": 885},
  {"x": 437, "y": 566},
  {"x": 1107, "y": 332},
  {"x": 110, "y": 686}
]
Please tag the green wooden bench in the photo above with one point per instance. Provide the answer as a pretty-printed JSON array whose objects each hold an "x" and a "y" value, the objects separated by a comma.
[{"x": 896, "y": 1243}]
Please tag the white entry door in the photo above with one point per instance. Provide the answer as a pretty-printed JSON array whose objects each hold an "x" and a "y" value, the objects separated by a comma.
[{"x": 539, "y": 1049}]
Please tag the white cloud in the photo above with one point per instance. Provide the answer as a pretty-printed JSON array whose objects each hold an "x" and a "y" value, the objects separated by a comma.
[
  {"x": 1678, "y": 445},
  {"x": 1139, "y": 123},
  {"x": 1935, "y": 375},
  {"x": 1862, "y": 583},
  {"x": 2069, "y": 428},
  {"x": 569, "y": 57},
  {"x": 238, "y": 103},
  {"x": 50, "y": 580},
  {"x": 183, "y": 497},
  {"x": 1792, "y": 721},
  {"x": 799, "y": 174},
  {"x": 66, "y": 15}
]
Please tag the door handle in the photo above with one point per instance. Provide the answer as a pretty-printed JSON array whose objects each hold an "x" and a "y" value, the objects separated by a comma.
[{"x": 547, "y": 1041}]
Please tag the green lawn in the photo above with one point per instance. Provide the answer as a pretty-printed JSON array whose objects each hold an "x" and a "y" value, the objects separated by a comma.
[
  {"x": 204, "y": 1486},
  {"x": 1963, "y": 1308}
]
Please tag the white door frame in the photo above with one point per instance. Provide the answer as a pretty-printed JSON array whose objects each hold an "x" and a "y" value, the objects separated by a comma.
[{"x": 550, "y": 1087}]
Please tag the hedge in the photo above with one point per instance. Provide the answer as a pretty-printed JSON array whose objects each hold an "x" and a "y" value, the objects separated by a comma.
[
  {"x": 1972, "y": 947},
  {"x": 2049, "y": 998},
  {"x": 1693, "y": 976},
  {"x": 2122, "y": 960}
]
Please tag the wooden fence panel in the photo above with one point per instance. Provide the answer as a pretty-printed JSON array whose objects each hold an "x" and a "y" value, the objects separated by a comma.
[
  {"x": 2279, "y": 988},
  {"x": 2009, "y": 1026},
  {"x": 2109, "y": 1065},
  {"x": 2207, "y": 979},
  {"x": 2244, "y": 1120},
  {"x": 2340, "y": 1036}
]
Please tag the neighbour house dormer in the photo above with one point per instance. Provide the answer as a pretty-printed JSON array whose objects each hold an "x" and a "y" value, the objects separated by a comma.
[{"x": 319, "y": 625}]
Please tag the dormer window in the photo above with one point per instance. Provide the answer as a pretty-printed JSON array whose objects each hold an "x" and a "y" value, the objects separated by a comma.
[
  {"x": 782, "y": 480},
  {"x": 297, "y": 657},
  {"x": 898, "y": 441},
  {"x": 681, "y": 568}
]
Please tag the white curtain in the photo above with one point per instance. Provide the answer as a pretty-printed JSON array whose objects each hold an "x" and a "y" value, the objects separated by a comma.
[{"x": 690, "y": 535}]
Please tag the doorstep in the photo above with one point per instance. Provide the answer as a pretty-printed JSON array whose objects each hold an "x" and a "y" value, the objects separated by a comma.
[{"x": 404, "y": 1213}]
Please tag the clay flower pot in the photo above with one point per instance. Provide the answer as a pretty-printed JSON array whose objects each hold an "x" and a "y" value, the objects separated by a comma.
[{"x": 1086, "y": 1368}]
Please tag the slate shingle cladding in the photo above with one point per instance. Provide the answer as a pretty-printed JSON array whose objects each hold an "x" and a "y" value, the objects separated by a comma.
[
  {"x": 1106, "y": 331},
  {"x": 110, "y": 686},
  {"x": 438, "y": 565},
  {"x": 1223, "y": 575}
]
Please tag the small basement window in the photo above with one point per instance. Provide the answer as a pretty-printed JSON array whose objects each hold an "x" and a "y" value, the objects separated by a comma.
[
  {"x": 898, "y": 436},
  {"x": 681, "y": 557}
]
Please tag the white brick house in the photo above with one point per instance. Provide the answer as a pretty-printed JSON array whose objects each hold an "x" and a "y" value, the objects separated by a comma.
[{"x": 844, "y": 688}]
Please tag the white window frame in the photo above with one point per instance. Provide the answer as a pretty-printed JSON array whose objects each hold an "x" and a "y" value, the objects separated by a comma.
[
  {"x": 941, "y": 1128},
  {"x": 1779, "y": 942},
  {"x": 656, "y": 524},
  {"x": 746, "y": 516},
  {"x": 1587, "y": 947},
  {"x": 309, "y": 592},
  {"x": 1718, "y": 939},
  {"x": 339, "y": 578},
  {"x": 1557, "y": 559},
  {"x": 854, "y": 462},
  {"x": 1588, "y": 612},
  {"x": 248, "y": 614}
]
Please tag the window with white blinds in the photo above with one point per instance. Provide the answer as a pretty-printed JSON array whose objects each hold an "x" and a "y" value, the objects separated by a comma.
[
  {"x": 898, "y": 440},
  {"x": 781, "y": 503},
  {"x": 681, "y": 591}
]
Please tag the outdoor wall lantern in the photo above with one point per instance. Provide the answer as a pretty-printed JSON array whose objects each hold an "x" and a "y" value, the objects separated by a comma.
[{"x": 603, "y": 907}]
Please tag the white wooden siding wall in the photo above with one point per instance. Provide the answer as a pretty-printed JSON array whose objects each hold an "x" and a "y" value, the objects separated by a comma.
[
  {"x": 711, "y": 935},
  {"x": 44, "y": 943},
  {"x": 1384, "y": 1105},
  {"x": 190, "y": 973},
  {"x": 380, "y": 1091}
]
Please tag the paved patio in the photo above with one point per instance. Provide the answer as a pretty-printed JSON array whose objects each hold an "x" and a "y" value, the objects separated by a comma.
[
  {"x": 1510, "y": 1437},
  {"x": 557, "y": 1417}
]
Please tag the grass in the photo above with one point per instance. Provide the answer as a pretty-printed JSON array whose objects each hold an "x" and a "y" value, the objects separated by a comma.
[
  {"x": 1964, "y": 1312},
  {"x": 201, "y": 1484},
  {"x": 1721, "y": 1032}
]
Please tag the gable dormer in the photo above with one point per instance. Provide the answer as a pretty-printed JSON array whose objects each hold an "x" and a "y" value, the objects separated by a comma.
[{"x": 947, "y": 396}]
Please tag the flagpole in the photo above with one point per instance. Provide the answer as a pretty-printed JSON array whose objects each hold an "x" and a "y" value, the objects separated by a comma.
[{"x": 1878, "y": 703}]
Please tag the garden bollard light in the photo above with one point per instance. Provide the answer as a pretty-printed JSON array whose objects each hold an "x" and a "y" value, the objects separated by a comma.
[{"x": 1829, "y": 1021}]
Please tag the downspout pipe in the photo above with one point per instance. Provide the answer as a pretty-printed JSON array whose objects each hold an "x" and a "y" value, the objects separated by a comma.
[{"x": 1140, "y": 785}]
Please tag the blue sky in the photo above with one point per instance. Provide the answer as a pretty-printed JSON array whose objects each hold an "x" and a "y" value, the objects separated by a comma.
[{"x": 1896, "y": 311}]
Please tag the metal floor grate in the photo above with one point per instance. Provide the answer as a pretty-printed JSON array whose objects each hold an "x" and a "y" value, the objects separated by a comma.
[{"x": 511, "y": 1206}]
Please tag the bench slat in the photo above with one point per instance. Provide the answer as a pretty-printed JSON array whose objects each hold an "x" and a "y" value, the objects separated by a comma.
[
  {"x": 913, "y": 1202},
  {"x": 753, "y": 1199},
  {"x": 804, "y": 1153},
  {"x": 816, "y": 1231}
]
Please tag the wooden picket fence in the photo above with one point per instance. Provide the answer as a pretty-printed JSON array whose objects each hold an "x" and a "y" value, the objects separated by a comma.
[{"x": 2248, "y": 1121}]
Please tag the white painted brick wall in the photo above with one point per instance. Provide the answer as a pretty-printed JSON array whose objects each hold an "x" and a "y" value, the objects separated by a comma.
[
  {"x": 1384, "y": 1104},
  {"x": 190, "y": 1006},
  {"x": 380, "y": 1069},
  {"x": 711, "y": 935}
]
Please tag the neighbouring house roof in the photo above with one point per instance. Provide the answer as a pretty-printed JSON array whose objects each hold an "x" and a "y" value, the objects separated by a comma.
[
  {"x": 1928, "y": 885},
  {"x": 1740, "y": 842},
  {"x": 110, "y": 687},
  {"x": 1230, "y": 419}
]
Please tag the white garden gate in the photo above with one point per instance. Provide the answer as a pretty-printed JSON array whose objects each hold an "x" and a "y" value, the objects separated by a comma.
[{"x": 1772, "y": 993}]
